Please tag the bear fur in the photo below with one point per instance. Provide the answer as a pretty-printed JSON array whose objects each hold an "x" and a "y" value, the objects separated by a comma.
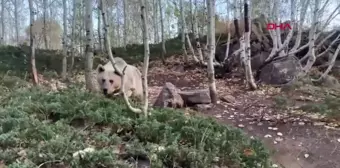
[{"x": 110, "y": 82}]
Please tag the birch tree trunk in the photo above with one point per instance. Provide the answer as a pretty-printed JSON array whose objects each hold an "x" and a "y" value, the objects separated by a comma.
[
  {"x": 162, "y": 29},
  {"x": 32, "y": 44},
  {"x": 331, "y": 64},
  {"x": 311, "y": 47},
  {"x": 125, "y": 23},
  {"x": 238, "y": 35},
  {"x": 146, "y": 58},
  {"x": 45, "y": 26},
  {"x": 229, "y": 36},
  {"x": 246, "y": 49},
  {"x": 108, "y": 46},
  {"x": 89, "y": 45},
  {"x": 155, "y": 19},
  {"x": 51, "y": 9},
  {"x": 2, "y": 22},
  {"x": 191, "y": 16},
  {"x": 64, "y": 62},
  {"x": 98, "y": 31},
  {"x": 73, "y": 34},
  {"x": 183, "y": 31},
  {"x": 297, "y": 43},
  {"x": 82, "y": 26},
  {"x": 196, "y": 32},
  {"x": 118, "y": 28},
  {"x": 16, "y": 21},
  {"x": 211, "y": 42}
]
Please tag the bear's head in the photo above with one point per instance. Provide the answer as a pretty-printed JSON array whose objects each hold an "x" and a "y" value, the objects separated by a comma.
[{"x": 109, "y": 82}]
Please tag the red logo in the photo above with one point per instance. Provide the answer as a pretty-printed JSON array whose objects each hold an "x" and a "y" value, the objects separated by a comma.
[{"x": 281, "y": 26}]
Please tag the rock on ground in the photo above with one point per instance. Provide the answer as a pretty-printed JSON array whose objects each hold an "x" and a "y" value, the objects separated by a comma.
[
  {"x": 169, "y": 97},
  {"x": 280, "y": 71}
]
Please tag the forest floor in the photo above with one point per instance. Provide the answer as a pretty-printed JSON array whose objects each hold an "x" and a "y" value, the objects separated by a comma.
[{"x": 297, "y": 140}]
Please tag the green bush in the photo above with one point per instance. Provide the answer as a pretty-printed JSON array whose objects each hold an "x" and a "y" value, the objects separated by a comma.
[
  {"x": 330, "y": 106},
  {"x": 39, "y": 127}
]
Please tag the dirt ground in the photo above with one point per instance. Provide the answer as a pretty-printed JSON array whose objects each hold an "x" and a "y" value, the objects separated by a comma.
[{"x": 295, "y": 141}]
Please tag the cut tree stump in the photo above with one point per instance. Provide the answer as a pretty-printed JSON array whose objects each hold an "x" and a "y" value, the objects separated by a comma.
[
  {"x": 193, "y": 97},
  {"x": 169, "y": 97}
]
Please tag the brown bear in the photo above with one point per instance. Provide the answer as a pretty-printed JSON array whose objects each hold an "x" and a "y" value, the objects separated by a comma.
[{"x": 110, "y": 82}]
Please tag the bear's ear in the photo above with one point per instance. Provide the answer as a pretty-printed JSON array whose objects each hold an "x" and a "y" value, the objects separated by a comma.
[{"x": 100, "y": 68}]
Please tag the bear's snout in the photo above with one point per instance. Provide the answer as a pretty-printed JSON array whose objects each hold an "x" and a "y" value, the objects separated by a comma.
[{"x": 105, "y": 91}]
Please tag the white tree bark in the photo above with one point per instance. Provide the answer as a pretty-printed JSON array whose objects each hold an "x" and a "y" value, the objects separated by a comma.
[
  {"x": 325, "y": 39},
  {"x": 329, "y": 47},
  {"x": 32, "y": 44},
  {"x": 183, "y": 31},
  {"x": 74, "y": 7},
  {"x": 2, "y": 38},
  {"x": 45, "y": 25},
  {"x": 162, "y": 29},
  {"x": 118, "y": 27},
  {"x": 99, "y": 30},
  {"x": 89, "y": 45},
  {"x": 108, "y": 46},
  {"x": 64, "y": 62},
  {"x": 311, "y": 47},
  {"x": 196, "y": 32},
  {"x": 16, "y": 21},
  {"x": 246, "y": 50},
  {"x": 229, "y": 35},
  {"x": 155, "y": 21},
  {"x": 305, "y": 4},
  {"x": 125, "y": 23},
  {"x": 211, "y": 39},
  {"x": 331, "y": 63},
  {"x": 146, "y": 58}
]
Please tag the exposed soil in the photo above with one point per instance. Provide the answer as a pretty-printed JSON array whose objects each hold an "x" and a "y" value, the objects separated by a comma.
[{"x": 295, "y": 140}]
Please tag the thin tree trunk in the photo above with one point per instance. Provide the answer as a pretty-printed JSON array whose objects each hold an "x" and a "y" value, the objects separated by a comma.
[
  {"x": 196, "y": 34},
  {"x": 111, "y": 31},
  {"x": 32, "y": 45},
  {"x": 246, "y": 49},
  {"x": 237, "y": 31},
  {"x": 299, "y": 34},
  {"x": 330, "y": 46},
  {"x": 331, "y": 63},
  {"x": 312, "y": 34},
  {"x": 89, "y": 45},
  {"x": 191, "y": 17},
  {"x": 118, "y": 28},
  {"x": 2, "y": 22},
  {"x": 155, "y": 19},
  {"x": 64, "y": 62},
  {"x": 108, "y": 30},
  {"x": 99, "y": 32},
  {"x": 183, "y": 32},
  {"x": 108, "y": 45},
  {"x": 162, "y": 29},
  {"x": 146, "y": 58},
  {"x": 51, "y": 9},
  {"x": 16, "y": 21},
  {"x": 125, "y": 23},
  {"x": 82, "y": 27},
  {"x": 73, "y": 35},
  {"x": 229, "y": 36},
  {"x": 211, "y": 37},
  {"x": 45, "y": 25}
]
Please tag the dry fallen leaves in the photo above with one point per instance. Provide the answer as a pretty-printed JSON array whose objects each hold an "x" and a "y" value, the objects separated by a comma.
[{"x": 248, "y": 152}]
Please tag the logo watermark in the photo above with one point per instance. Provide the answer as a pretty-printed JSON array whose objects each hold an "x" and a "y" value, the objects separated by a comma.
[{"x": 281, "y": 26}]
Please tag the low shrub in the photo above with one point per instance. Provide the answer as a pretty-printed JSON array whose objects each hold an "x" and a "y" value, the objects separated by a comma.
[{"x": 48, "y": 128}]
